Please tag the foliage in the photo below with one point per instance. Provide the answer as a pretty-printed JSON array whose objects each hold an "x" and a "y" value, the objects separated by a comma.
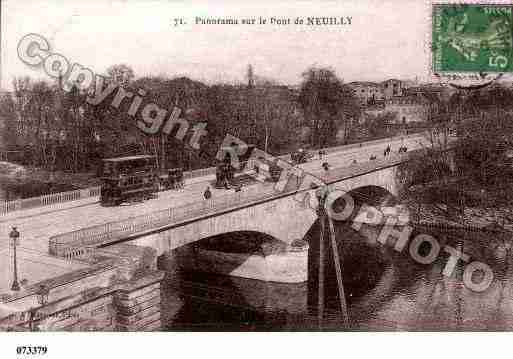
[
  {"x": 60, "y": 130},
  {"x": 473, "y": 169},
  {"x": 8, "y": 124},
  {"x": 328, "y": 105},
  {"x": 377, "y": 124},
  {"x": 121, "y": 74}
]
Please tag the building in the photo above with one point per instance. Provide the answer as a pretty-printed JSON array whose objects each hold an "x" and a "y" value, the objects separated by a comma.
[
  {"x": 393, "y": 88},
  {"x": 407, "y": 100},
  {"x": 408, "y": 108},
  {"x": 370, "y": 93}
]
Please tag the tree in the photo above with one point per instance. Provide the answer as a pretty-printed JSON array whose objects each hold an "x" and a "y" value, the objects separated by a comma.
[
  {"x": 8, "y": 123},
  {"x": 121, "y": 74},
  {"x": 377, "y": 125},
  {"x": 327, "y": 103},
  {"x": 472, "y": 170}
]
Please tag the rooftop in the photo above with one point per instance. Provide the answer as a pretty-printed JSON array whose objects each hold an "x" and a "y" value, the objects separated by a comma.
[{"x": 363, "y": 83}]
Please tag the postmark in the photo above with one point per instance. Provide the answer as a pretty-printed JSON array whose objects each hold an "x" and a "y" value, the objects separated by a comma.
[{"x": 472, "y": 38}]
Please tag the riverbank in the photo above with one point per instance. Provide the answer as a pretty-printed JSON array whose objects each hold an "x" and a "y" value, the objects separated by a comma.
[{"x": 18, "y": 182}]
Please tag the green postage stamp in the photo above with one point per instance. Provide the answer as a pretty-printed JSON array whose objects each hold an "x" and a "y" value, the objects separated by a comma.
[{"x": 472, "y": 38}]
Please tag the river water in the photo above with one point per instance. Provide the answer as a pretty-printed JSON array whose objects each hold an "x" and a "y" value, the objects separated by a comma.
[{"x": 385, "y": 290}]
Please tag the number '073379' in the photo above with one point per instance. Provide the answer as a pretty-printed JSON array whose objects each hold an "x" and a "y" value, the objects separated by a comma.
[{"x": 31, "y": 350}]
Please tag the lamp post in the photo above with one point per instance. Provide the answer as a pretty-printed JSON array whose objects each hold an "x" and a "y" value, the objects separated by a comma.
[{"x": 14, "y": 235}]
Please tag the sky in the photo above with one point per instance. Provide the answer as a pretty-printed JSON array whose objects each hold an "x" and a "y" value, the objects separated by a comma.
[{"x": 387, "y": 39}]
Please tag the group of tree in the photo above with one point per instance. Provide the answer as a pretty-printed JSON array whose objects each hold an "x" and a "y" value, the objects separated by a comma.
[
  {"x": 468, "y": 162},
  {"x": 378, "y": 125},
  {"x": 60, "y": 130}
]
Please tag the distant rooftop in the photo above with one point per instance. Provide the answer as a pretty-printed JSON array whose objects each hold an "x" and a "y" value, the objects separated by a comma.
[{"x": 364, "y": 83}]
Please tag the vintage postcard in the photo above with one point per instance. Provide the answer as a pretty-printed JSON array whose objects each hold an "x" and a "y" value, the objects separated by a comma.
[{"x": 255, "y": 166}]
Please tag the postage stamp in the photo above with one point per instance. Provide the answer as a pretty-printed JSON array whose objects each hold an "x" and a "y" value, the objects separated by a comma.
[{"x": 472, "y": 38}]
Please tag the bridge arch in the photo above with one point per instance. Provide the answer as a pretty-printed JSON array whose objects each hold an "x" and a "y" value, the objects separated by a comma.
[
  {"x": 242, "y": 241},
  {"x": 246, "y": 254}
]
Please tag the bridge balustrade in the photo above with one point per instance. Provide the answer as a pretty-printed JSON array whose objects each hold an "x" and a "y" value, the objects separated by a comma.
[
  {"x": 369, "y": 143},
  {"x": 61, "y": 197},
  {"x": 48, "y": 199},
  {"x": 66, "y": 244},
  {"x": 103, "y": 234},
  {"x": 45, "y": 200}
]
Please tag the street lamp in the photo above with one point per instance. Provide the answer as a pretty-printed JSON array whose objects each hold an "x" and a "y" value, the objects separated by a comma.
[{"x": 14, "y": 235}]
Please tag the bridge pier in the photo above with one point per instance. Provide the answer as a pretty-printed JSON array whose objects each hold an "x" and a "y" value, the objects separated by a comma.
[{"x": 194, "y": 275}]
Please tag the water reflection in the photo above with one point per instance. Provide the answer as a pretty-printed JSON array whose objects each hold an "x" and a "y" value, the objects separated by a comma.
[{"x": 385, "y": 290}]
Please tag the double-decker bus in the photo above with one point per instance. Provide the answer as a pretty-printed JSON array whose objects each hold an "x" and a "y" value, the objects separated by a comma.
[{"x": 128, "y": 179}]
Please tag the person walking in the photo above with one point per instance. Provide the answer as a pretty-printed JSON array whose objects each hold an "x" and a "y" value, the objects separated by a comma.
[{"x": 207, "y": 194}]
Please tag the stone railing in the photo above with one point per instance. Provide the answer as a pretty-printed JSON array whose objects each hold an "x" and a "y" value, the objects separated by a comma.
[
  {"x": 202, "y": 172},
  {"x": 48, "y": 199},
  {"x": 61, "y": 197},
  {"x": 373, "y": 142},
  {"x": 79, "y": 243}
]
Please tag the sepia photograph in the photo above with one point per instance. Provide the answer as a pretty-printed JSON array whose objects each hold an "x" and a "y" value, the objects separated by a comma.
[{"x": 289, "y": 166}]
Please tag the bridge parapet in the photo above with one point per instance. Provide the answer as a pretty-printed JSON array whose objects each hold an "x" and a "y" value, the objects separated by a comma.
[
  {"x": 73, "y": 244},
  {"x": 48, "y": 199},
  {"x": 68, "y": 196},
  {"x": 62, "y": 197}
]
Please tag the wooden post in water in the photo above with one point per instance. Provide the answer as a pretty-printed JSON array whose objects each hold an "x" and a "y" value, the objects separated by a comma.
[
  {"x": 320, "y": 308},
  {"x": 338, "y": 270}
]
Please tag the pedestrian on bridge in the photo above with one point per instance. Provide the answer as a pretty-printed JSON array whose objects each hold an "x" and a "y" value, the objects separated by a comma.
[{"x": 207, "y": 194}]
